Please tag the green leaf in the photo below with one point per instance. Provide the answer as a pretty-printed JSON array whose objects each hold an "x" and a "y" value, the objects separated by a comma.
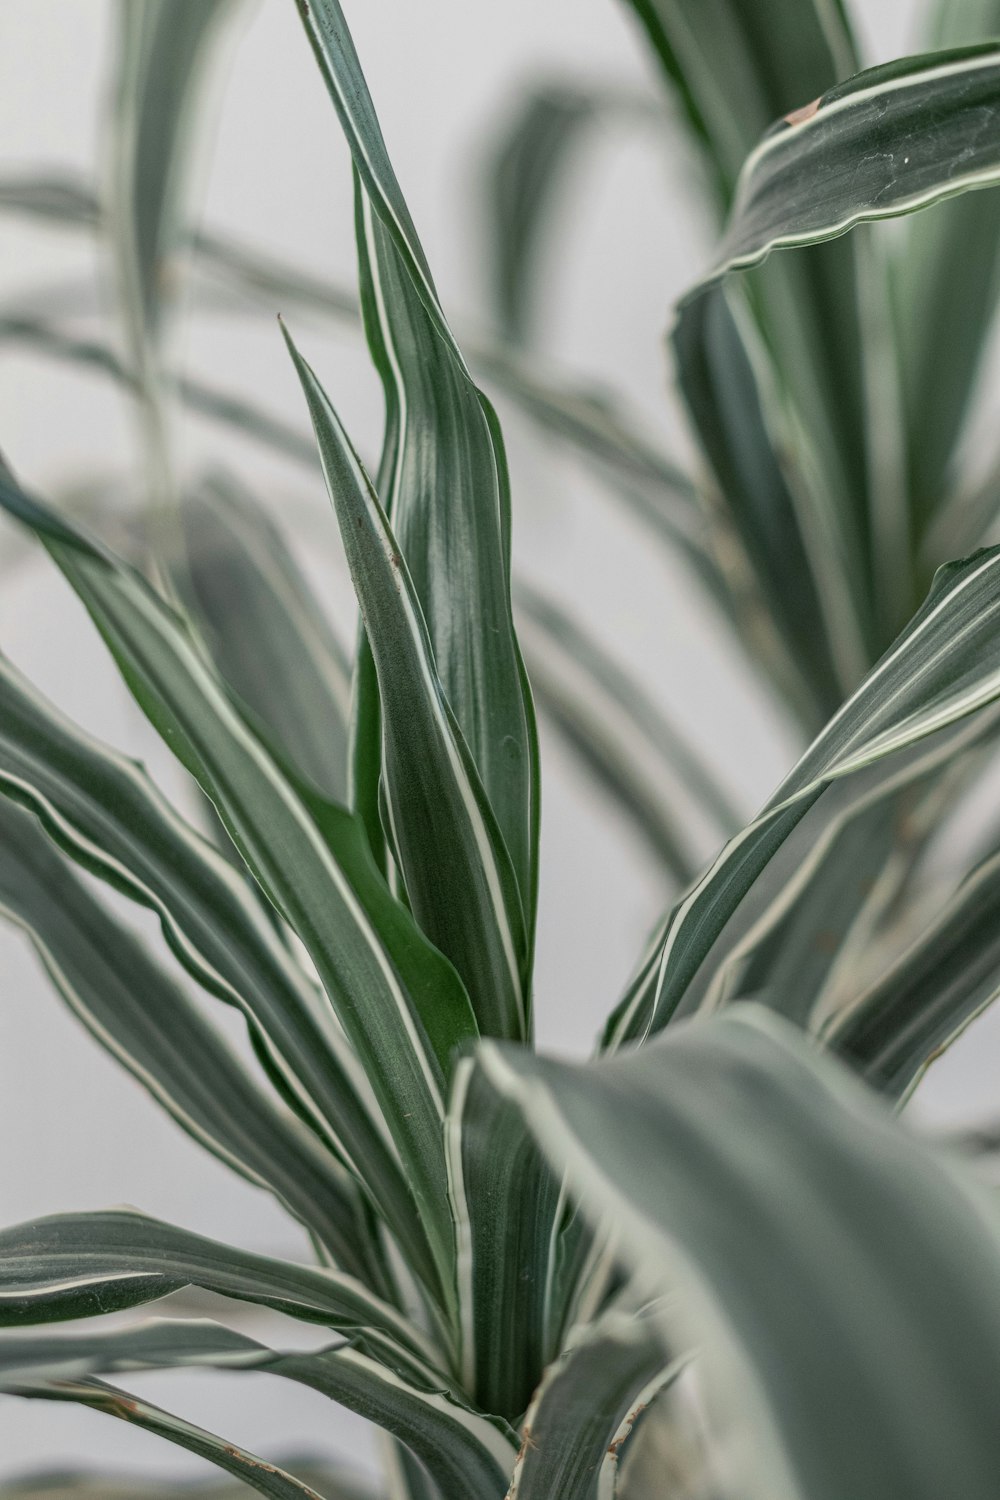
[
  {"x": 507, "y": 1204},
  {"x": 444, "y": 485},
  {"x": 735, "y": 67},
  {"x": 944, "y": 667},
  {"x": 452, "y": 856},
  {"x": 162, "y": 55},
  {"x": 627, "y": 743},
  {"x": 782, "y": 1206},
  {"x": 523, "y": 175},
  {"x": 796, "y": 551},
  {"x": 146, "y": 1021},
  {"x": 572, "y": 1442},
  {"x": 948, "y": 976},
  {"x": 104, "y": 812},
  {"x": 944, "y": 315},
  {"x": 891, "y": 140},
  {"x": 260, "y": 1475},
  {"x": 464, "y": 1452},
  {"x": 397, "y": 1000},
  {"x": 266, "y": 633},
  {"x": 83, "y": 1265}
]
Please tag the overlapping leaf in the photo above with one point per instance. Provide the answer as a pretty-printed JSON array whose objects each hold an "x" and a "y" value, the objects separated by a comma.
[
  {"x": 144, "y": 1018},
  {"x": 81, "y": 1265},
  {"x": 398, "y": 1001},
  {"x": 465, "y": 1453},
  {"x": 571, "y": 1443},
  {"x": 944, "y": 667},
  {"x": 779, "y": 1185},
  {"x": 458, "y": 875}
]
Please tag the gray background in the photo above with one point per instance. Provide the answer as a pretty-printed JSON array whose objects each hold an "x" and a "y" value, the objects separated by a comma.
[{"x": 77, "y": 1133}]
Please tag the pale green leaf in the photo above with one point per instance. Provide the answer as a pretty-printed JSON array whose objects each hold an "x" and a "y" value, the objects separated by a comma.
[
  {"x": 785, "y": 1211},
  {"x": 146, "y": 1021}
]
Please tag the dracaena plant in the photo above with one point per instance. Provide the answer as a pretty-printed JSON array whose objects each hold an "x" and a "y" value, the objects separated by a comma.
[{"x": 712, "y": 1262}]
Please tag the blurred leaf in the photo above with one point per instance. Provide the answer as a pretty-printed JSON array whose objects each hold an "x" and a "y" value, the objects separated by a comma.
[
  {"x": 135, "y": 1009},
  {"x": 944, "y": 317},
  {"x": 947, "y": 977},
  {"x": 522, "y": 178},
  {"x": 267, "y": 635},
  {"x": 162, "y": 55},
  {"x": 785, "y": 1212},
  {"x": 85, "y": 1485},
  {"x": 630, "y": 747},
  {"x": 796, "y": 555}
]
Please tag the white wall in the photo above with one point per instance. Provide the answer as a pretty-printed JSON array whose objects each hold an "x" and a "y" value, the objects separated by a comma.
[{"x": 77, "y": 1133}]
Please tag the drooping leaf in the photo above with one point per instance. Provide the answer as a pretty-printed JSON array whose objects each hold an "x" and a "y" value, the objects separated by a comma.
[
  {"x": 144, "y": 1018},
  {"x": 248, "y": 1468},
  {"x": 399, "y": 1002},
  {"x": 332, "y": 1483},
  {"x": 455, "y": 864},
  {"x": 465, "y": 1452},
  {"x": 888, "y": 141},
  {"x": 785, "y": 1211},
  {"x": 944, "y": 667},
  {"x": 104, "y": 812},
  {"x": 82, "y": 1265}
]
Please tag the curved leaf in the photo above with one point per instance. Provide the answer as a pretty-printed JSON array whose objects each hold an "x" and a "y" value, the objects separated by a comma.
[
  {"x": 464, "y": 1452},
  {"x": 399, "y": 1002},
  {"x": 570, "y": 1441},
  {"x": 143, "y": 1017},
  {"x": 83, "y": 1265},
  {"x": 890, "y": 140},
  {"x": 945, "y": 666},
  {"x": 105, "y": 812},
  {"x": 782, "y": 1205}
]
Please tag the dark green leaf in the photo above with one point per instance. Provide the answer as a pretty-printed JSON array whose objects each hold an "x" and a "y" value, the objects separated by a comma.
[{"x": 452, "y": 856}]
